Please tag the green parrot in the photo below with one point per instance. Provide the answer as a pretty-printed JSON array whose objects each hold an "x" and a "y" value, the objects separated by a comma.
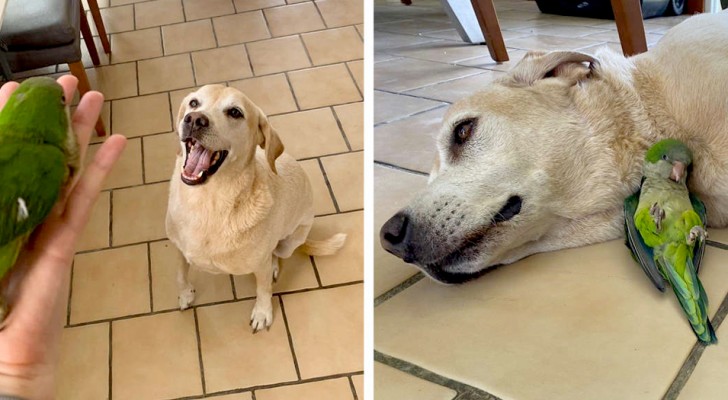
[
  {"x": 665, "y": 229},
  {"x": 38, "y": 158}
]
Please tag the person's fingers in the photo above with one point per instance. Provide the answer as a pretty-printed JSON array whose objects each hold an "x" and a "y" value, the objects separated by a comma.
[
  {"x": 6, "y": 91},
  {"x": 81, "y": 200},
  {"x": 69, "y": 83},
  {"x": 84, "y": 119}
]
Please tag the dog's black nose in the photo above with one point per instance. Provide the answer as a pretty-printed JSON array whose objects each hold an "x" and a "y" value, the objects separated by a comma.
[
  {"x": 394, "y": 236},
  {"x": 197, "y": 120}
]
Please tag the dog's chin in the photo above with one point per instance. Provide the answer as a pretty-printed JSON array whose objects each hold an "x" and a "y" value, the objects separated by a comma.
[
  {"x": 200, "y": 163},
  {"x": 459, "y": 269}
]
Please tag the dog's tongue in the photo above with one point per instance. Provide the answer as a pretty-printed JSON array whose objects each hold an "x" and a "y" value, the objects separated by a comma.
[{"x": 198, "y": 160}]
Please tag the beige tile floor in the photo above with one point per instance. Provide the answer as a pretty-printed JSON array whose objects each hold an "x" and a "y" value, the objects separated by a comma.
[
  {"x": 302, "y": 63},
  {"x": 575, "y": 324}
]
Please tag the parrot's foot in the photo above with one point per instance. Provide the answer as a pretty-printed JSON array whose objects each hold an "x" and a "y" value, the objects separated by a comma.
[
  {"x": 186, "y": 297},
  {"x": 696, "y": 233},
  {"x": 657, "y": 215}
]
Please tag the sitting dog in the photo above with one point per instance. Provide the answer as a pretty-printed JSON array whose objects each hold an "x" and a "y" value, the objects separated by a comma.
[
  {"x": 237, "y": 202},
  {"x": 544, "y": 157}
]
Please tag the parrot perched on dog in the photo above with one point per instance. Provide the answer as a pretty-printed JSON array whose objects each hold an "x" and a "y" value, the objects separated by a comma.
[
  {"x": 38, "y": 158},
  {"x": 665, "y": 228}
]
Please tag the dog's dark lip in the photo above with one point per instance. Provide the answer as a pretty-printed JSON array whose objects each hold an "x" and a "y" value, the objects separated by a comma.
[{"x": 221, "y": 155}]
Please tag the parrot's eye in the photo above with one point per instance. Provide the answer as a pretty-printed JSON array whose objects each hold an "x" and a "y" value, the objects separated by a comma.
[
  {"x": 235, "y": 113},
  {"x": 664, "y": 157},
  {"x": 194, "y": 103},
  {"x": 63, "y": 99}
]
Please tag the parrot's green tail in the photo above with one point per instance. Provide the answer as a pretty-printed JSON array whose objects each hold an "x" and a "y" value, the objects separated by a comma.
[
  {"x": 694, "y": 301},
  {"x": 9, "y": 254}
]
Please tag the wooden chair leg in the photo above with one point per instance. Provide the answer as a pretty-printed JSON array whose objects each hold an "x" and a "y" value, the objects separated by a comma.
[
  {"x": 93, "y": 5},
  {"x": 628, "y": 16},
  {"x": 89, "y": 38},
  {"x": 79, "y": 72},
  {"x": 488, "y": 20}
]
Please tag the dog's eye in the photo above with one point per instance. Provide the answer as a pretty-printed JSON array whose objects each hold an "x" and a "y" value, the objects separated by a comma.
[
  {"x": 463, "y": 131},
  {"x": 194, "y": 103},
  {"x": 235, "y": 113}
]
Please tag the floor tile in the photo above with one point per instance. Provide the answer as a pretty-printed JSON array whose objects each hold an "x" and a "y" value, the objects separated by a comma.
[
  {"x": 412, "y": 27},
  {"x": 393, "y": 190},
  {"x": 236, "y": 396},
  {"x": 295, "y": 18},
  {"x": 347, "y": 265},
  {"x": 334, "y": 45},
  {"x": 341, "y": 12},
  {"x": 457, "y": 89},
  {"x": 160, "y": 153},
  {"x": 116, "y": 19},
  {"x": 568, "y": 31},
  {"x": 223, "y": 64},
  {"x": 246, "y": 5},
  {"x": 271, "y": 93},
  {"x": 486, "y": 62},
  {"x": 718, "y": 235},
  {"x": 392, "y": 384},
  {"x": 83, "y": 366},
  {"x": 155, "y": 357},
  {"x": 198, "y": 9},
  {"x": 444, "y": 51},
  {"x": 165, "y": 73},
  {"x": 323, "y": 86},
  {"x": 388, "y": 40},
  {"x": 345, "y": 173},
  {"x": 309, "y": 133},
  {"x": 351, "y": 117},
  {"x": 128, "y": 169},
  {"x": 613, "y": 36},
  {"x": 142, "y": 115},
  {"x": 357, "y": 71},
  {"x": 166, "y": 259},
  {"x": 390, "y": 107},
  {"x": 359, "y": 385},
  {"x": 327, "y": 330},
  {"x": 158, "y": 12},
  {"x": 545, "y": 42},
  {"x": 330, "y": 389},
  {"x": 517, "y": 304},
  {"x": 322, "y": 202},
  {"x": 96, "y": 233},
  {"x": 277, "y": 55},
  {"x": 114, "y": 81},
  {"x": 296, "y": 273},
  {"x": 101, "y": 3},
  {"x": 110, "y": 284},
  {"x": 114, "y": 3},
  {"x": 189, "y": 36},
  {"x": 240, "y": 28},
  {"x": 419, "y": 73},
  {"x": 138, "y": 213},
  {"x": 226, "y": 339},
  {"x": 408, "y": 142},
  {"x": 136, "y": 45},
  {"x": 709, "y": 379}
]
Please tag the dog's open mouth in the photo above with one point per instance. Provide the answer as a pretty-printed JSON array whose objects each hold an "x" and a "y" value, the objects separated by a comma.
[{"x": 200, "y": 162}]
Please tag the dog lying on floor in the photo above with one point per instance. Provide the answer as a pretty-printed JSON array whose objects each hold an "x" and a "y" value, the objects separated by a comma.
[
  {"x": 237, "y": 202},
  {"x": 543, "y": 158}
]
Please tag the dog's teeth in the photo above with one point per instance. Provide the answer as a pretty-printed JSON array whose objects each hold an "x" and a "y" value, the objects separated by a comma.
[{"x": 200, "y": 174}]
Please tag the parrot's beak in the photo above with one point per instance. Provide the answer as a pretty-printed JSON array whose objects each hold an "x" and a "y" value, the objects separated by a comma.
[{"x": 678, "y": 171}]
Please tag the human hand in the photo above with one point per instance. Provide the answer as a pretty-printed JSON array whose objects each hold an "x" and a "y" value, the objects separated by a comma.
[{"x": 39, "y": 282}]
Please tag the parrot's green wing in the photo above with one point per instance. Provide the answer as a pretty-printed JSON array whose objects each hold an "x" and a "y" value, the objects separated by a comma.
[
  {"x": 642, "y": 253},
  {"x": 699, "y": 249},
  {"x": 32, "y": 176}
]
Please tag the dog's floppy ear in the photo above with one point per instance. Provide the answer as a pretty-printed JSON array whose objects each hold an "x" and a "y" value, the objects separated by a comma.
[
  {"x": 268, "y": 139},
  {"x": 567, "y": 65}
]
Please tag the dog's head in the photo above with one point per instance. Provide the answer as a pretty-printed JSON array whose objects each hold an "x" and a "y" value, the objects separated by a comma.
[
  {"x": 506, "y": 157},
  {"x": 218, "y": 125}
]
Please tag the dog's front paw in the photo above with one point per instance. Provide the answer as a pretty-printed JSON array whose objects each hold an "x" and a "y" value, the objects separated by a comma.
[
  {"x": 186, "y": 298},
  {"x": 262, "y": 316}
]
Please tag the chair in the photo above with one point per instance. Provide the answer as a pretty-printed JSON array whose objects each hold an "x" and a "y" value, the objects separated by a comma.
[{"x": 39, "y": 33}]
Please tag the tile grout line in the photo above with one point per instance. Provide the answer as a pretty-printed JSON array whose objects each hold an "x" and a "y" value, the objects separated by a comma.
[
  {"x": 316, "y": 271},
  {"x": 328, "y": 185},
  {"x": 398, "y": 289},
  {"x": 111, "y": 221},
  {"x": 199, "y": 352},
  {"x": 232, "y": 285},
  {"x": 353, "y": 389},
  {"x": 144, "y": 175},
  {"x": 111, "y": 354},
  {"x": 214, "y": 303},
  {"x": 70, "y": 292},
  {"x": 341, "y": 127},
  {"x": 293, "y": 93},
  {"x": 290, "y": 337},
  {"x": 400, "y": 169},
  {"x": 427, "y": 375},
  {"x": 321, "y": 15},
  {"x": 351, "y": 75},
  {"x": 688, "y": 366},
  {"x": 149, "y": 269}
]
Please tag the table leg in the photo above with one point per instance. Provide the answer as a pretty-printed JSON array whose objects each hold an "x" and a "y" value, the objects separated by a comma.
[
  {"x": 485, "y": 11},
  {"x": 93, "y": 6},
  {"x": 89, "y": 38},
  {"x": 628, "y": 16}
]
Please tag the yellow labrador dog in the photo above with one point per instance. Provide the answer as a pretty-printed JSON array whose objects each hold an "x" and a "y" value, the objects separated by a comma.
[
  {"x": 543, "y": 158},
  {"x": 237, "y": 202}
]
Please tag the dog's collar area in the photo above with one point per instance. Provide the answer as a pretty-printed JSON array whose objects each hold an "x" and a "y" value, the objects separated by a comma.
[{"x": 200, "y": 162}]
